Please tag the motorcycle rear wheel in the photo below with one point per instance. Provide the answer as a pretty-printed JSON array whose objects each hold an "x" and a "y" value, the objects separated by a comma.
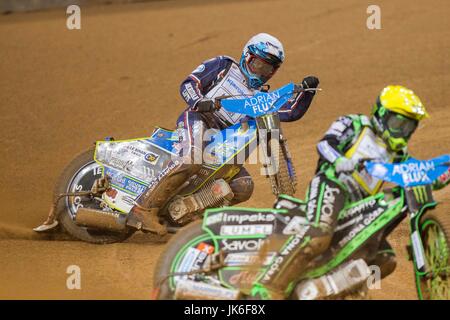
[
  {"x": 79, "y": 175},
  {"x": 435, "y": 235}
]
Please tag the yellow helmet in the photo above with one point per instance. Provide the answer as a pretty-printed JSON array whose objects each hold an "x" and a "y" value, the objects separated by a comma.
[{"x": 396, "y": 115}]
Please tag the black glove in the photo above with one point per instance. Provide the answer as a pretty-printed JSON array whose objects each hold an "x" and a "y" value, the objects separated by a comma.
[
  {"x": 205, "y": 106},
  {"x": 310, "y": 82}
]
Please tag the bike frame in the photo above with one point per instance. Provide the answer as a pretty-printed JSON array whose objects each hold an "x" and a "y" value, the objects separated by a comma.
[{"x": 236, "y": 142}]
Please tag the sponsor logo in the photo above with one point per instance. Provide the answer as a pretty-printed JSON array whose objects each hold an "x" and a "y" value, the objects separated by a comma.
[
  {"x": 313, "y": 192},
  {"x": 328, "y": 204},
  {"x": 443, "y": 178},
  {"x": 357, "y": 229},
  {"x": 262, "y": 102},
  {"x": 136, "y": 151},
  {"x": 414, "y": 172},
  {"x": 126, "y": 165},
  {"x": 199, "y": 69},
  {"x": 134, "y": 187},
  {"x": 248, "y": 258},
  {"x": 192, "y": 260},
  {"x": 294, "y": 243},
  {"x": 235, "y": 86},
  {"x": 215, "y": 218},
  {"x": 349, "y": 223},
  {"x": 296, "y": 225},
  {"x": 189, "y": 286},
  {"x": 206, "y": 248},
  {"x": 372, "y": 216},
  {"x": 172, "y": 165},
  {"x": 418, "y": 251},
  {"x": 359, "y": 208},
  {"x": 128, "y": 200},
  {"x": 242, "y": 230},
  {"x": 273, "y": 268},
  {"x": 241, "y": 245},
  {"x": 151, "y": 157},
  {"x": 241, "y": 218},
  {"x": 190, "y": 93}
]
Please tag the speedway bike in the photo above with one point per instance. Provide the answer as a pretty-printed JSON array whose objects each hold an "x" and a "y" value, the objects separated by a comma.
[
  {"x": 98, "y": 214},
  {"x": 222, "y": 256}
]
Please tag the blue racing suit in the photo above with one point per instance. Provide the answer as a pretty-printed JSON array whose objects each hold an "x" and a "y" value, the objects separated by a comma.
[
  {"x": 213, "y": 78},
  {"x": 216, "y": 77}
]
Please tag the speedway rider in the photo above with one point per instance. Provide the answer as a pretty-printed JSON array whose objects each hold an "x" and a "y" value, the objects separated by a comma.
[
  {"x": 338, "y": 180},
  {"x": 261, "y": 57}
]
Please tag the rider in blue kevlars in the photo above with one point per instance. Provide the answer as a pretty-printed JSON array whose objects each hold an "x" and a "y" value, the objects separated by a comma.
[{"x": 262, "y": 56}]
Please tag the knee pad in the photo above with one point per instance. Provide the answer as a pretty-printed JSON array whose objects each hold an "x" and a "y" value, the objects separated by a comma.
[
  {"x": 319, "y": 243},
  {"x": 387, "y": 262},
  {"x": 242, "y": 188}
]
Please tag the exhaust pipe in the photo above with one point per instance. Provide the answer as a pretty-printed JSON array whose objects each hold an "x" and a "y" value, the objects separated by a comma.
[
  {"x": 103, "y": 220},
  {"x": 192, "y": 290}
]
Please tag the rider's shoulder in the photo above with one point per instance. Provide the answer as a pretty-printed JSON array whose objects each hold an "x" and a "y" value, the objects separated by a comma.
[
  {"x": 219, "y": 61},
  {"x": 361, "y": 119},
  {"x": 228, "y": 59}
]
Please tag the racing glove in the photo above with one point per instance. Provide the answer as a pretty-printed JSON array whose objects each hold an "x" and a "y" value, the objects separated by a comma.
[
  {"x": 205, "y": 105},
  {"x": 344, "y": 165},
  {"x": 442, "y": 181},
  {"x": 310, "y": 82}
]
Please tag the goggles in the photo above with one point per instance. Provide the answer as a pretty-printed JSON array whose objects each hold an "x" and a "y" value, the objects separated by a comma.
[
  {"x": 400, "y": 126},
  {"x": 261, "y": 67}
]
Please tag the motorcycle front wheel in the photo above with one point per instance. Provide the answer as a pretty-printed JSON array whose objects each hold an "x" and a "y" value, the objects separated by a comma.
[
  {"x": 185, "y": 251},
  {"x": 435, "y": 235},
  {"x": 283, "y": 179}
]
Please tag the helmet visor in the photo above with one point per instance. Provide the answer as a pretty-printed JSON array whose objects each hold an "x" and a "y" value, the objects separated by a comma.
[
  {"x": 261, "y": 67},
  {"x": 400, "y": 126}
]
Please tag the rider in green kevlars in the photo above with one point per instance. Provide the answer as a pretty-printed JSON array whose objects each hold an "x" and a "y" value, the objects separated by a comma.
[{"x": 384, "y": 137}]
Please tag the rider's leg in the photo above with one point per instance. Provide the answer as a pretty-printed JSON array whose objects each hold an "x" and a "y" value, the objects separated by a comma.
[
  {"x": 144, "y": 214},
  {"x": 326, "y": 198},
  {"x": 385, "y": 259},
  {"x": 242, "y": 186}
]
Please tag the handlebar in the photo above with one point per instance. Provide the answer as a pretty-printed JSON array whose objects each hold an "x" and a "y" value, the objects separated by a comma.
[{"x": 297, "y": 89}]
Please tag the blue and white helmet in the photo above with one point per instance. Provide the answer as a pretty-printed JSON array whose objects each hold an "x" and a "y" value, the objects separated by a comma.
[{"x": 262, "y": 56}]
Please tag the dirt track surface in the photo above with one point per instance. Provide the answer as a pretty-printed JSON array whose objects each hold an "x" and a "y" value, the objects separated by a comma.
[{"x": 61, "y": 90}]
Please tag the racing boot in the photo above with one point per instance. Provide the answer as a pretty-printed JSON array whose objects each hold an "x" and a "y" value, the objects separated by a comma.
[
  {"x": 289, "y": 265},
  {"x": 144, "y": 214}
]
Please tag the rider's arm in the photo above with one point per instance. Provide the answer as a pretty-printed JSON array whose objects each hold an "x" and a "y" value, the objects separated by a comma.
[
  {"x": 296, "y": 108},
  {"x": 202, "y": 79},
  {"x": 340, "y": 131}
]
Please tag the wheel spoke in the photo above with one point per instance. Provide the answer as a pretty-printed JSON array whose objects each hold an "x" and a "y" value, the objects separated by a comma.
[{"x": 437, "y": 254}]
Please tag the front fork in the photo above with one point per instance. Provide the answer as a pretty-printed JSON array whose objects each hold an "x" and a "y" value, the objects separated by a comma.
[
  {"x": 419, "y": 200},
  {"x": 269, "y": 131}
]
